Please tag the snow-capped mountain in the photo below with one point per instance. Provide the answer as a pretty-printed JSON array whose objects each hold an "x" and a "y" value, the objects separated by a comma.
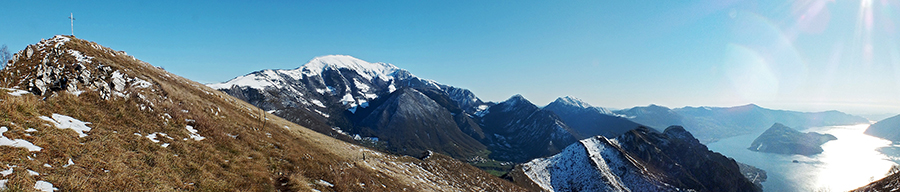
[
  {"x": 713, "y": 123},
  {"x": 358, "y": 98},
  {"x": 639, "y": 160},
  {"x": 588, "y": 120},
  {"x": 341, "y": 95},
  {"x": 326, "y": 93},
  {"x": 351, "y": 81}
]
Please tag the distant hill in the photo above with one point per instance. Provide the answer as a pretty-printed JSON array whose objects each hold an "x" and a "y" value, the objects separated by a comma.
[
  {"x": 713, "y": 123},
  {"x": 77, "y": 116},
  {"x": 784, "y": 140},
  {"x": 888, "y": 129}
]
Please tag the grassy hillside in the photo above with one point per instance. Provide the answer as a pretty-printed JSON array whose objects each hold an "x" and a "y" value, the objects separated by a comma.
[{"x": 141, "y": 138}]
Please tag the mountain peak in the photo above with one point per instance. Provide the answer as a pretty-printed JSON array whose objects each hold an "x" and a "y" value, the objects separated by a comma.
[
  {"x": 572, "y": 101},
  {"x": 515, "y": 99},
  {"x": 65, "y": 63},
  {"x": 366, "y": 69},
  {"x": 751, "y": 105}
]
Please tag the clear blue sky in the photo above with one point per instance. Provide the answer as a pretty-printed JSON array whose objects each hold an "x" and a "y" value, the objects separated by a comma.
[{"x": 806, "y": 55}]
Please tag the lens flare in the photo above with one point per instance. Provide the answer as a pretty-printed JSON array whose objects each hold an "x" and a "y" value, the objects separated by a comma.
[
  {"x": 750, "y": 74},
  {"x": 762, "y": 61},
  {"x": 813, "y": 15}
]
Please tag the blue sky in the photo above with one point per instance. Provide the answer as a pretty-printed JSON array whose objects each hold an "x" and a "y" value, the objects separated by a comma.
[{"x": 807, "y": 55}]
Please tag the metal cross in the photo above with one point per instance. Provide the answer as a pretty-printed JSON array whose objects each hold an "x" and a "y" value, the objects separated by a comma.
[{"x": 72, "y": 20}]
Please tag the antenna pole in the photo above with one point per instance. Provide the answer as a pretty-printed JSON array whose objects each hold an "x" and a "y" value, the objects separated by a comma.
[{"x": 72, "y": 20}]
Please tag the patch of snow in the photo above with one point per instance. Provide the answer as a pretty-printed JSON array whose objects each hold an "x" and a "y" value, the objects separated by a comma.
[
  {"x": 21, "y": 143},
  {"x": 3, "y": 183},
  {"x": 370, "y": 96},
  {"x": 48, "y": 165},
  {"x": 44, "y": 186},
  {"x": 30, "y": 172},
  {"x": 324, "y": 183},
  {"x": 140, "y": 83},
  {"x": 361, "y": 86},
  {"x": 331, "y": 90},
  {"x": 164, "y": 145},
  {"x": 348, "y": 99},
  {"x": 118, "y": 80},
  {"x": 364, "y": 104},
  {"x": 193, "y": 133},
  {"x": 31, "y": 130},
  {"x": 70, "y": 163},
  {"x": 55, "y": 42},
  {"x": 152, "y": 137},
  {"x": 7, "y": 172},
  {"x": 80, "y": 57},
  {"x": 16, "y": 92},
  {"x": 482, "y": 110},
  {"x": 317, "y": 103},
  {"x": 391, "y": 88},
  {"x": 66, "y": 122}
]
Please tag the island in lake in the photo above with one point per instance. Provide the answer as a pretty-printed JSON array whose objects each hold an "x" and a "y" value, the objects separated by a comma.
[{"x": 785, "y": 140}]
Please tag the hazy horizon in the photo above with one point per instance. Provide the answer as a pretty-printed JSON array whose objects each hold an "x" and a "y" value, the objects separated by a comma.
[{"x": 803, "y": 55}]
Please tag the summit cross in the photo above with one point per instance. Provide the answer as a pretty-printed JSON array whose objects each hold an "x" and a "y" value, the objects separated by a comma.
[{"x": 72, "y": 21}]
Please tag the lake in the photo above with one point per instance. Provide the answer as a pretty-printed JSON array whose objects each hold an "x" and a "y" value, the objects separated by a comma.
[{"x": 854, "y": 160}]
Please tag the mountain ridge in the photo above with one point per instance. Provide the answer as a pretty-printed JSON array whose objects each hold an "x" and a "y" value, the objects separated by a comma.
[
  {"x": 101, "y": 127},
  {"x": 587, "y": 120},
  {"x": 640, "y": 160},
  {"x": 331, "y": 90},
  {"x": 712, "y": 123}
]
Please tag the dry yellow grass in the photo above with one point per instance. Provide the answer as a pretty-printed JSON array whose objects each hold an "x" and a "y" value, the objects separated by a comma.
[{"x": 242, "y": 150}]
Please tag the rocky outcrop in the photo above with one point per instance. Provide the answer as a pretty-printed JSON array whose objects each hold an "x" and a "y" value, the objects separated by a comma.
[
  {"x": 67, "y": 67},
  {"x": 784, "y": 140}
]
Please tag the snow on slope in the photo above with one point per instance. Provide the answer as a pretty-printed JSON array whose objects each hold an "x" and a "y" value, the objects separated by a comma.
[
  {"x": 66, "y": 122},
  {"x": 16, "y": 143},
  {"x": 315, "y": 67},
  {"x": 573, "y": 101},
  {"x": 354, "y": 82},
  {"x": 569, "y": 100},
  {"x": 369, "y": 70},
  {"x": 593, "y": 164}
]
